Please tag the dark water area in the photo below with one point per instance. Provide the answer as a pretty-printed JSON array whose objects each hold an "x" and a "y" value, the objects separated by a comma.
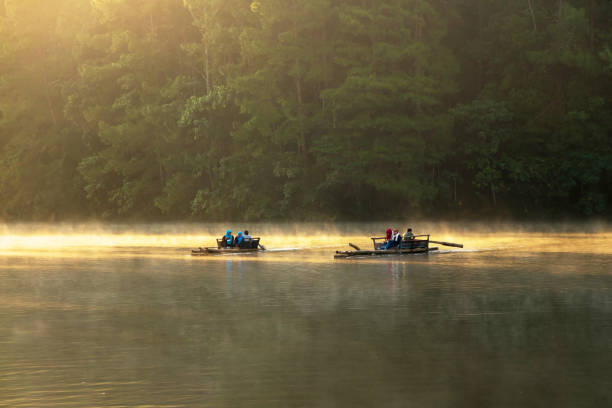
[{"x": 512, "y": 326}]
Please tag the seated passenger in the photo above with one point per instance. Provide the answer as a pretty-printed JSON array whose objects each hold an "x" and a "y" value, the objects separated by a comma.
[
  {"x": 246, "y": 235},
  {"x": 228, "y": 239},
  {"x": 238, "y": 239},
  {"x": 388, "y": 235},
  {"x": 408, "y": 234},
  {"x": 395, "y": 240}
]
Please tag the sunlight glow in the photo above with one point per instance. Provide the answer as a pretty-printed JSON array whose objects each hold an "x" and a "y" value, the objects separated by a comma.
[{"x": 280, "y": 240}]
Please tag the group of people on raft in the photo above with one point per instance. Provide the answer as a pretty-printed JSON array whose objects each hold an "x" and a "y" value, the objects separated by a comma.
[
  {"x": 230, "y": 241},
  {"x": 393, "y": 238}
]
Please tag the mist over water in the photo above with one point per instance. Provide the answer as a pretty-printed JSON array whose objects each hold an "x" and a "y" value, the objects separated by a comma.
[
  {"x": 101, "y": 315},
  {"x": 62, "y": 239}
]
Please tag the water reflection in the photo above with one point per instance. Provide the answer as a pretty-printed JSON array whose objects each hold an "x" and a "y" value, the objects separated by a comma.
[{"x": 140, "y": 327}]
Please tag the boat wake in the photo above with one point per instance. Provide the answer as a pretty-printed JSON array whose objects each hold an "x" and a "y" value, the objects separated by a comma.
[
  {"x": 286, "y": 249},
  {"x": 470, "y": 250},
  {"x": 283, "y": 249}
]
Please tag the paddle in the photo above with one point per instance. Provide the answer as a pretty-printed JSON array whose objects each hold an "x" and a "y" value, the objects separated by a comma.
[
  {"x": 355, "y": 246},
  {"x": 451, "y": 244},
  {"x": 262, "y": 247}
]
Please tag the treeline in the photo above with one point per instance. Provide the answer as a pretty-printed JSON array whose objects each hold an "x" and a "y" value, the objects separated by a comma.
[{"x": 292, "y": 109}]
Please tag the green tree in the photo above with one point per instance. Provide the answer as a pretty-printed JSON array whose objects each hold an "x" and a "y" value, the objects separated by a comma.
[
  {"x": 128, "y": 99},
  {"x": 38, "y": 150},
  {"x": 386, "y": 115}
]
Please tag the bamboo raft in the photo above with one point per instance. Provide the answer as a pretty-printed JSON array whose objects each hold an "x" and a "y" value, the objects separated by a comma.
[
  {"x": 417, "y": 245},
  {"x": 249, "y": 246}
]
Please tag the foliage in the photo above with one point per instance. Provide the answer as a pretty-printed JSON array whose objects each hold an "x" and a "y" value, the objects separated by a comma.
[{"x": 278, "y": 109}]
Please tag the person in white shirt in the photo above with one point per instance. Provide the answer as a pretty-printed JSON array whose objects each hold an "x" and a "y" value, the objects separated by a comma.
[{"x": 395, "y": 240}]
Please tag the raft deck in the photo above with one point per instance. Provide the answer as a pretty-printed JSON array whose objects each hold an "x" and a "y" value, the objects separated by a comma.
[
  {"x": 251, "y": 245},
  {"x": 417, "y": 245},
  {"x": 348, "y": 254}
]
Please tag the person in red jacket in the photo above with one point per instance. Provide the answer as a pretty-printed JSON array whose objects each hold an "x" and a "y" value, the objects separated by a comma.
[{"x": 389, "y": 234}]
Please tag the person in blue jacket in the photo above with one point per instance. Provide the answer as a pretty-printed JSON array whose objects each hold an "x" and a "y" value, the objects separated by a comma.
[
  {"x": 238, "y": 239},
  {"x": 228, "y": 239}
]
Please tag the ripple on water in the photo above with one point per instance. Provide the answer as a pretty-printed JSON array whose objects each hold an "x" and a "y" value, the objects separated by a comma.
[{"x": 136, "y": 325}]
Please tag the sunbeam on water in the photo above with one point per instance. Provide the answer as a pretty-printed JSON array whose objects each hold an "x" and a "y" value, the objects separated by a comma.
[
  {"x": 174, "y": 239},
  {"x": 100, "y": 315}
]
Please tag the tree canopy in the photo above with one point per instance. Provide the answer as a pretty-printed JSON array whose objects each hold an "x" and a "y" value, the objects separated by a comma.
[{"x": 306, "y": 110}]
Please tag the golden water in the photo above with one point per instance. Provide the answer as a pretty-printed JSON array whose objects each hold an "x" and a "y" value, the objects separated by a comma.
[
  {"x": 174, "y": 239},
  {"x": 102, "y": 315}
]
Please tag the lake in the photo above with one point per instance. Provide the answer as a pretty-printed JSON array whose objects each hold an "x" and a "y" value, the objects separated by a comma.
[{"x": 96, "y": 315}]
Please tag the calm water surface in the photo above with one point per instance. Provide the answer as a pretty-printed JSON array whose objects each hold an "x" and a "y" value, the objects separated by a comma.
[{"x": 512, "y": 320}]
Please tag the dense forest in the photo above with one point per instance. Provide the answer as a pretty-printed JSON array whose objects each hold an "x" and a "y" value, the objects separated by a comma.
[{"x": 304, "y": 110}]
